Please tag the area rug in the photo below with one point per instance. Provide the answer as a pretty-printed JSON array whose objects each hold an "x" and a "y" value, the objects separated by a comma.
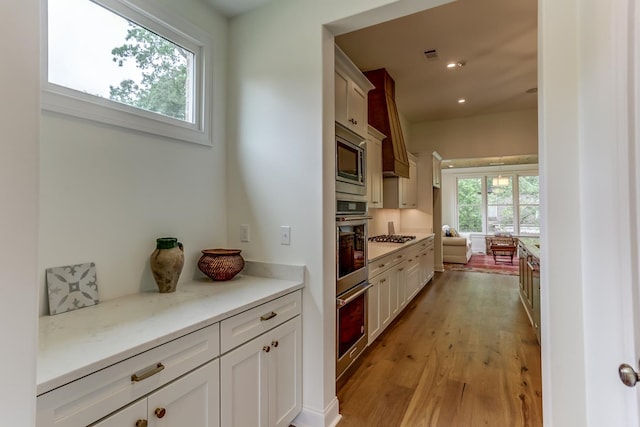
[{"x": 482, "y": 263}]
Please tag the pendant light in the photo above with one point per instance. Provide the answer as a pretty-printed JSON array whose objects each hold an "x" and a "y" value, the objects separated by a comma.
[{"x": 500, "y": 181}]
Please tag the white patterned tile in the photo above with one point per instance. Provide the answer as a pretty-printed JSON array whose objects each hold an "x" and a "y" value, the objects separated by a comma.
[{"x": 72, "y": 287}]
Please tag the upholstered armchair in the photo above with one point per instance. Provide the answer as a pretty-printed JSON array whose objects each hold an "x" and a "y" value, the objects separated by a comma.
[{"x": 456, "y": 247}]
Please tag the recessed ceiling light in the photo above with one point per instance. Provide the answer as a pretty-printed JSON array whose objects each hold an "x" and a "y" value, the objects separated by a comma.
[
  {"x": 461, "y": 101},
  {"x": 450, "y": 166},
  {"x": 458, "y": 64}
]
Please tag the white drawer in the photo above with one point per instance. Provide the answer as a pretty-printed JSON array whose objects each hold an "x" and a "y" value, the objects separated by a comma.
[
  {"x": 385, "y": 263},
  {"x": 247, "y": 325},
  {"x": 89, "y": 398}
]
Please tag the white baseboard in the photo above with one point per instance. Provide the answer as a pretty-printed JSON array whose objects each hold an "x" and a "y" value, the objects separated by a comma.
[{"x": 313, "y": 418}]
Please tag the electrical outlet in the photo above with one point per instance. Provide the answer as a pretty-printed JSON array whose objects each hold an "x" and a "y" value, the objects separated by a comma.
[
  {"x": 244, "y": 232},
  {"x": 285, "y": 235}
]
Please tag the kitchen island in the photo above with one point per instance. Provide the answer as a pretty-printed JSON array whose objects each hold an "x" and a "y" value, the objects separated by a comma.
[{"x": 529, "y": 268}]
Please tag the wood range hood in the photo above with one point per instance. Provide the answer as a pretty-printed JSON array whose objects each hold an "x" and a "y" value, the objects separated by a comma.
[{"x": 383, "y": 115}]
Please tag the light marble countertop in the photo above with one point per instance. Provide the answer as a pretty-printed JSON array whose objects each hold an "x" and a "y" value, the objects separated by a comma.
[
  {"x": 378, "y": 250},
  {"x": 77, "y": 343},
  {"x": 532, "y": 244}
]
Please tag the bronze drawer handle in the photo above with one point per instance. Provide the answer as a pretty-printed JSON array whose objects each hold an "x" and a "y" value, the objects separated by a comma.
[
  {"x": 160, "y": 412},
  {"x": 268, "y": 316},
  {"x": 159, "y": 367},
  {"x": 142, "y": 423}
]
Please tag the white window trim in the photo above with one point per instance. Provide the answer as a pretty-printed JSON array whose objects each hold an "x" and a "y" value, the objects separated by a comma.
[
  {"x": 484, "y": 172},
  {"x": 63, "y": 100}
]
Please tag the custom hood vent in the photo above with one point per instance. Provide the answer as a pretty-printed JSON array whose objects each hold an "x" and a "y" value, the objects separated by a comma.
[{"x": 383, "y": 115}]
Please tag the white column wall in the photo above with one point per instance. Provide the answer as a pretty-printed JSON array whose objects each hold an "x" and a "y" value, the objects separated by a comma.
[
  {"x": 281, "y": 158},
  {"x": 19, "y": 117},
  {"x": 564, "y": 373}
]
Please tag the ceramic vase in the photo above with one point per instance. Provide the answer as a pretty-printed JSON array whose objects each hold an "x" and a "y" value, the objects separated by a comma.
[
  {"x": 166, "y": 263},
  {"x": 221, "y": 264}
]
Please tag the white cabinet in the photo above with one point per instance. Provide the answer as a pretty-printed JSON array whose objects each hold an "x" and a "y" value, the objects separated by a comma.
[
  {"x": 94, "y": 396},
  {"x": 380, "y": 302},
  {"x": 395, "y": 280},
  {"x": 374, "y": 168},
  {"x": 261, "y": 380},
  {"x": 426, "y": 258},
  {"x": 413, "y": 279},
  {"x": 191, "y": 400},
  {"x": 437, "y": 173},
  {"x": 133, "y": 415},
  {"x": 351, "y": 89},
  {"x": 261, "y": 377},
  {"x": 183, "y": 381},
  {"x": 402, "y": 193}
]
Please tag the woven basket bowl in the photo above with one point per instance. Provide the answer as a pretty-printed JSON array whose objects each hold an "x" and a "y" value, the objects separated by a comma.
[{"x": 221, "y": 264}]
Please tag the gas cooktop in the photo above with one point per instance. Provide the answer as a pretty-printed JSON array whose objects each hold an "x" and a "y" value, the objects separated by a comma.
[{"x": 392, "y": 238}]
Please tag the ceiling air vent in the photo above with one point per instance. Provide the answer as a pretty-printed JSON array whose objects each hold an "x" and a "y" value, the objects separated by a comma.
[{"x": 431, "y": 55}]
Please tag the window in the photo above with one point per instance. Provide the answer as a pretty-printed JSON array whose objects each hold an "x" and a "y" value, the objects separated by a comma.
[
  {"x": 129, "y": 67},
  {"x": 488, "y": 204},
  {"x": 500, "y": 204},
  {"x": 470, "y": 205},
  {"x": 529, "y": 205}
]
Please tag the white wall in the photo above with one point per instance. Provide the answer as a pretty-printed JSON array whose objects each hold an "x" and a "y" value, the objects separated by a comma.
[
  {"x": 281, "y": 158},
  {"x": 503, "y": 134},
  {"x": 19, "y": 116},
  {"x": 108, "y": 193}
]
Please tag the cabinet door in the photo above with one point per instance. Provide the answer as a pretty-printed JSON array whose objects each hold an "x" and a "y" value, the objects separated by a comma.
[
  {"x": 342, "y": 90},
  {"x": 410, "y": 187},
  {"x": 373, "y": 309},
  {"x": 243, "y": 385},
  {"x": 400, "y": 285},
  {"x": 412, "y": 284},
  {"x": 133, "y": 415},
  {"x": 285, "y": 373},
  {"x": 386, "y": 300},
  {"x": 431, "y": 262},
  {"x": 261, "y": 381},
  {"x": 436, "y": 172},
  {"x": 357, "y": 109},
  {"x": 192, "y": 400},
  {"x": 374, "y": 172}
]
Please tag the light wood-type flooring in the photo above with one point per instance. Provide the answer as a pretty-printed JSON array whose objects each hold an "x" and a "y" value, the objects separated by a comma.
[{"x": 462, "y": 354}]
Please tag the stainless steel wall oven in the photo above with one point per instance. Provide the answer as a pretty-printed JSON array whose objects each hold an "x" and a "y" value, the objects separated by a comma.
[{"x": 351, "y": 282}]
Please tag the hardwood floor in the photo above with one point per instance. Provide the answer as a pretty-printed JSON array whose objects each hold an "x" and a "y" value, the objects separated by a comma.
[{"x": 462, "y": 354}]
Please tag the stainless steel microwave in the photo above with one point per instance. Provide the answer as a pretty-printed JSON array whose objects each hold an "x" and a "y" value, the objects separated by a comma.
[{"x": 350, "y": 162}]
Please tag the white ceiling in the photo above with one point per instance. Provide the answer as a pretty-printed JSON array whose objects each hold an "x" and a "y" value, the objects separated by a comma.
[
  {"x": 496, "y": 38},
  {"x": 230, "y": 8}
]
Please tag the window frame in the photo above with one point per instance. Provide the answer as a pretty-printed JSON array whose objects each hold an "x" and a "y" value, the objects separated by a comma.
[
  {"x": 481, "y": 204},
  {"x": 484, "y": 174},
  {"x": 71, "y": 102}
]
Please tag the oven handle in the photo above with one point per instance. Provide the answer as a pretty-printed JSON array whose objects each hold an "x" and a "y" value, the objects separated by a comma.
[
  {"x": 342, "y": 302},
  {"x": 341, "y": 219}
]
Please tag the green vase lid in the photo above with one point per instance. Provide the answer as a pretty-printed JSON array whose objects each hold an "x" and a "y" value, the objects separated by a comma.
[{"x": 166, "y": 243}]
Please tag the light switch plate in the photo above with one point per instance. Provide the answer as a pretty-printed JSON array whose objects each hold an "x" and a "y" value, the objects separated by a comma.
[
  {"x": 244, "y": 232},
  {"x": 285, "y": 235}
]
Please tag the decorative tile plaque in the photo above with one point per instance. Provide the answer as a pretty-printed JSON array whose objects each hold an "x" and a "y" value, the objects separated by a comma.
[{"x": 72, "y": 287}]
